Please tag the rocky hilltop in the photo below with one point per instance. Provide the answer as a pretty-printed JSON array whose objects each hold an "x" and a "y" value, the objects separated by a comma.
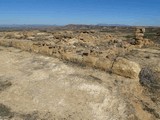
[{"x": 128, "y": 57}]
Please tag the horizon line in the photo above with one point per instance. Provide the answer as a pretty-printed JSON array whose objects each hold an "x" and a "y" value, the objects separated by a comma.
[{"x": 99, "y": 24}]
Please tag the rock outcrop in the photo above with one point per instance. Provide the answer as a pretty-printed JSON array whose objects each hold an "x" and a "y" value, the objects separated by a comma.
[
  {"x": 126, "y": 68},
  {"x": 121, "y": 66},
  {"x": 90, "y": 48}
]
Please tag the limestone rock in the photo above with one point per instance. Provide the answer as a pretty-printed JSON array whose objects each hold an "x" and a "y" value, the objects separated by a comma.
[
  {"x": 19, "y": 36},
  {"x": 89, "y": 60},
  {"x": 72, "y": 41},
  {"x": 104, "y": 64},
  {"x": 6, "y": 43},
  {"x": 139, "y": 36},
  {"x": 126, "y": 68},
  {"x": 140, "y": 30},
  {"x": 31, "y": 38},
  {"x": 75, "y": 58}
]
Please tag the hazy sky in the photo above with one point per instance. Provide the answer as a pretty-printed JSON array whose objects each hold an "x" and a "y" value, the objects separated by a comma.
[{"x": 131, "y": 12}]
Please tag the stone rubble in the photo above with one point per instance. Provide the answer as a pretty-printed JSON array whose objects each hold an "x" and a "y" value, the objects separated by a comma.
[{"x": 89, "y": 48}]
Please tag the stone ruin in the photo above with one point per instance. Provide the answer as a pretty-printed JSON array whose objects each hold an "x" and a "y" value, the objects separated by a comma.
[
  {"x": 139, "y": 34},
  {"x": 140, "y": 40}
]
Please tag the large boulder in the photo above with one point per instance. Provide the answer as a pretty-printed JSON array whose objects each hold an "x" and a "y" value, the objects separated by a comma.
[{"x": 126, "y": 68}]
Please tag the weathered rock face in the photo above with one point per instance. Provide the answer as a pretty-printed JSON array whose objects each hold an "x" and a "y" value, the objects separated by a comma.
[
  {"x": 126, "y": 68},
  {"x": 101, "y": 61},
  {"x": 104, "y": 64},
  {"x": 84, "y": 47}
]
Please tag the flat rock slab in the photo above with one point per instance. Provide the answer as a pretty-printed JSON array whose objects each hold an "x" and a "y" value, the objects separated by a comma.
[
  {"x": 35, "y": 87},
  {"x": 44, "y": 87}
]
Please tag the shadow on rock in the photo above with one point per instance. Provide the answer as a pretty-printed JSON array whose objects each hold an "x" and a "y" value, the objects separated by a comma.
[
  {"x": 5, "y": 112},
  {"x": 4, "y": 85}
]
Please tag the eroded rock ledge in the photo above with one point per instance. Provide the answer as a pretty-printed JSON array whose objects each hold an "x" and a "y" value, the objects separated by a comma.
[{"x": 110, "y": 60}]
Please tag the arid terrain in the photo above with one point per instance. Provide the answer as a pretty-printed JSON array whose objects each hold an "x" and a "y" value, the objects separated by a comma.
[{"x": 80, "y": 72}]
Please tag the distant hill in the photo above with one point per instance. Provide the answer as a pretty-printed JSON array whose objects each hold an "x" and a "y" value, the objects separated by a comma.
[
  {"x": 25, "y": 25},
  {"x": 120, "y": 25}
]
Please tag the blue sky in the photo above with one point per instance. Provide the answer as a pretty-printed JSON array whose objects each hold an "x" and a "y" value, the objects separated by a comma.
[{"x": 60, "y": 12}]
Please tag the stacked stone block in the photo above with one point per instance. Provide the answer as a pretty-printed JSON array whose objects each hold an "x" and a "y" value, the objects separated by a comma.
[{"x": 139, "y": 35}]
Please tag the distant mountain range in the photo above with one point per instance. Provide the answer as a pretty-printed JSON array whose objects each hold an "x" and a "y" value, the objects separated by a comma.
[
  {"x": 26, "y": 25},
  {"x": 71, "y": 26},
  {"x": 101, "y": 24},
  {"x": 45, "y": 25}
]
